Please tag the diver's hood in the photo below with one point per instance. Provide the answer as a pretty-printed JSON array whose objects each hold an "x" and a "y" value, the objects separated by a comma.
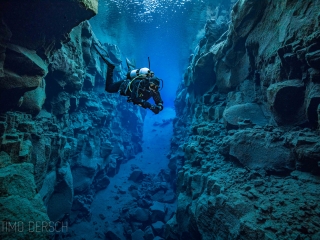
[{"x": 155, "y": 81}]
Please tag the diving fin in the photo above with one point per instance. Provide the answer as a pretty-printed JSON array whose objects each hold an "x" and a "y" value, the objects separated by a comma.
[
  {"x": 130, "y": 65},
  {"x": 103, "y": 54}
]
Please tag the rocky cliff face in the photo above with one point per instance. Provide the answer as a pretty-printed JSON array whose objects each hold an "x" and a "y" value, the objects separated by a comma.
[
  {"x": 247, "y": 127},
  {"x": 61, "y": 135}
]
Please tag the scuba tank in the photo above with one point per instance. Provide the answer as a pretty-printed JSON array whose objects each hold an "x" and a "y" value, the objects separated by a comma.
[
  {"x": 138, "y": 72},
  {"x": 143, "y": 74}
]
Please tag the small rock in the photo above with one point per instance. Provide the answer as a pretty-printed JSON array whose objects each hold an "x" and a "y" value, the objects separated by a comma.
[
  {"x": 158, "y": 227},
  {"x": 136, "y": 175},
  {"x": 158, "y": 211},
  {"x": 139, "y": 214},
  {"x": 137, "y": 235},
  {"x": 148, "y": 233}
]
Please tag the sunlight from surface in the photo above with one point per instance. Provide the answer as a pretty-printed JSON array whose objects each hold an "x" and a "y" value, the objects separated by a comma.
[
  {"x": 167, "y": 31},
  {"x": 143, "y": 10}
]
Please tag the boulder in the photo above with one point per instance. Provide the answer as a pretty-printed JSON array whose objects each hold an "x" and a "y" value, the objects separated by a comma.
[
  {"x": 148, "y": 233},
  {"x": 112, "y": 236},
  {"x": 137, "y": 235},
  {"x": 158, "y": 227},
  {"x": 158, "y": 211},
  {"x": 136, "y": 226},
  {"x": 158, "y": 196},
  {"x": 34, "y": 100},
  {"x": 136, "y": 175},
  {"x": 249, "y": 111},
  {"x": 261, "y": 151},
  {"x": 169, "y": 197},
  {"x": 139, "y": 214},
  {"x": 101, "y": 181}
]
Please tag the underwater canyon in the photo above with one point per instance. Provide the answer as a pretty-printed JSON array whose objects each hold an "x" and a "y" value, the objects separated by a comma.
[{"x": 235, "y": 153}]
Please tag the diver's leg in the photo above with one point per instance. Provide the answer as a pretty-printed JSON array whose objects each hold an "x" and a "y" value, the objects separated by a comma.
[
  {"x": 130, "y": 65},
  {"x": 104, "y": 55},
  {"x": 114, "y": 87},
  {"x": 109, "y": 80}
]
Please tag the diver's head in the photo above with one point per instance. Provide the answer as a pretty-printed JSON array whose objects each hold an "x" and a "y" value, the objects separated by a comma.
[{"x": 154, "y": 83}]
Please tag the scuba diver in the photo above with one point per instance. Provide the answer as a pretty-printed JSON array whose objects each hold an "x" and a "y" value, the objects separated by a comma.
[{"x": 139, "y": 86}]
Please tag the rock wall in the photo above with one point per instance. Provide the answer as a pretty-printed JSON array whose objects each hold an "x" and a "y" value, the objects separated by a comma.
[
  {"x": 246, "y": 139},
  {"x": 61, "y": 135}
]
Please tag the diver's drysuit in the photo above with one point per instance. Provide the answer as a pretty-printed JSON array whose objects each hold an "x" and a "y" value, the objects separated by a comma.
[{"x": 137, "y": 90}]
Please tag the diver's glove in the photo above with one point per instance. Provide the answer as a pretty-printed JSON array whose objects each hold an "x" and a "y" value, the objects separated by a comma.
[
  {"x": 160, "y": 106},
  {"x": 156, "y": 109}
]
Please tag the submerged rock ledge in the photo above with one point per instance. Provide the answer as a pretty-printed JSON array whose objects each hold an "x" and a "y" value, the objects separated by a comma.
[
  {"x": 61, "y": 136},
  {"x": 246, "y": 145}
]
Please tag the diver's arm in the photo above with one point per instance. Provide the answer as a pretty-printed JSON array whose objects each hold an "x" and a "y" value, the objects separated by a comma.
[
  {"x": 158, "y": 100},
  {"x": 143, "y": 103}
]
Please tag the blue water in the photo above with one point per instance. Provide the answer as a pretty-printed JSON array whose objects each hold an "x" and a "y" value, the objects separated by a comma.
[{"x": 164, "y": 30}]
